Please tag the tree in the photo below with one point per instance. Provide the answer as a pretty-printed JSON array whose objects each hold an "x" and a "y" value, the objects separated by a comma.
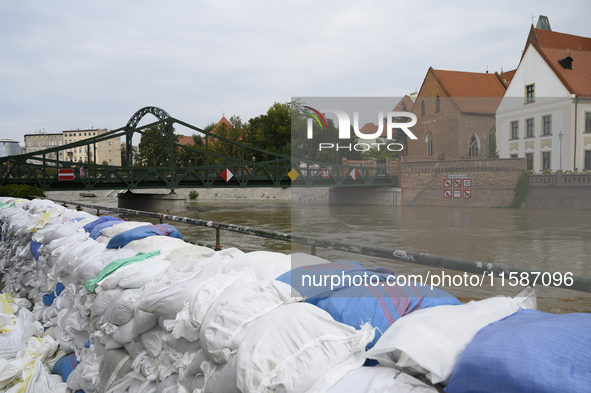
[
  {"x": 105, "y": 163},
  {"x": 492, "y": 146},
  {"x": 235, "y": 131},
  {"x": 271, "y": 131},
  {"x": 154, "y": 148},
  {"x": 380, "y": 155}
]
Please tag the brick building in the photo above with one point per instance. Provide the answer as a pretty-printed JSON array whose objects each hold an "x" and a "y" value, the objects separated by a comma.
[{"x": 455, "y": 110}]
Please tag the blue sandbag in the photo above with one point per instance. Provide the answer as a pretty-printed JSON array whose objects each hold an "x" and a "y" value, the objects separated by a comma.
[
  {"x": 381, "y": 305},
  {"x": 50, "y": 297},
  {"x": 123, "y": 238},
  {"x": 65, "y": 365},
  {"x": 35, "y": 249},
  {"x": 311, "y": 281},
  {"x": 96, "y": 231},
  {"x": 90, "y": 226},
  {"x": 529, "y": 351}
]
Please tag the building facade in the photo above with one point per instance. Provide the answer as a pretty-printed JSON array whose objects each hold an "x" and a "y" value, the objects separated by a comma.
[
  {"x": 545, "y": 114},
  {"x": 456, "y": 114}
]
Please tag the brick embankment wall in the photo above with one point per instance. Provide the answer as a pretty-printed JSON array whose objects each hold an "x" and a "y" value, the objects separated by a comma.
[
  {"x": 490, "y": 183},
  {"x": 559, "y": 191}
]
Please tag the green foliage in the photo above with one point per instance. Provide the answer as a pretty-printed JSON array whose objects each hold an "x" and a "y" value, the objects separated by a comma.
[
  {"x": 193, "y": 194},
  {"x": 521, "y": 190},
  {"x": 21, "y": 191},
  {"x": 380, "y": 155},
  {"x": 234, "y": 132},
  {"x": 154, "y": 147},
  {"x": 105, "y": 163},
  {"x": 547, "y": 171},
  {"x": 492, "y": 148},
  {"x": 271, "y": 131}
]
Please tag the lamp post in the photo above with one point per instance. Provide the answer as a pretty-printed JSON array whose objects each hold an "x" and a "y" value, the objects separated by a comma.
[
  {"x": 560, "y": 138},
  {"x": 484, "y": 144}
]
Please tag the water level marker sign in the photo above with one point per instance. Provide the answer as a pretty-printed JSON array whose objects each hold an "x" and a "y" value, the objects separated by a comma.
[
  {"x": 354, "y": 174},
  {"x": 227, "y": 175}
]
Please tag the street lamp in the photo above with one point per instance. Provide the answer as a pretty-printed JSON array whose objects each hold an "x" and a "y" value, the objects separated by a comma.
[{"x": 560, "y": 137}]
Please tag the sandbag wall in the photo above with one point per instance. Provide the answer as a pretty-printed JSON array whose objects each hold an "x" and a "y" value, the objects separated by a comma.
[{"x": 137, "y": 309}]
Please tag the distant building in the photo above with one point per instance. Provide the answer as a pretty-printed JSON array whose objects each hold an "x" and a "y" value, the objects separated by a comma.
[
  {"x": 105, "y": 151},
  {"x": 455, "y": 110},
  {"x": 43, "y": 141},
  {"x": 108, "y": 151},
  {"x": 545, "y": 114},
  {"x": 9, "y": 148}
]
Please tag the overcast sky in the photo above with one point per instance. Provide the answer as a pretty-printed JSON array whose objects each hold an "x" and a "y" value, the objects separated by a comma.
[{"x": 82, "y": 64}]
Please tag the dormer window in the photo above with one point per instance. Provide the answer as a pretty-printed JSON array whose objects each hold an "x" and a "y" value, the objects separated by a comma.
[{"x": 567, "y": 62}]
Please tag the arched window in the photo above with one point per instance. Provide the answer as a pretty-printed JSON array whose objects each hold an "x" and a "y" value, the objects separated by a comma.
[
  {"x": 474, "y": 146},
  {"x": 422, "y": 108},
  {"x": 429, "y": 140},
  {"x": 437, "y": 104}
]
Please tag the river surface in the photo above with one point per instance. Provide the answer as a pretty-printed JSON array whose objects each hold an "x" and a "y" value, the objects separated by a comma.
[{"x": 549, "y": 240}]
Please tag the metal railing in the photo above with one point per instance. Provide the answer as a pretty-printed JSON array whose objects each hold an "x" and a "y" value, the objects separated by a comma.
[{"x": 579, "y": 283}]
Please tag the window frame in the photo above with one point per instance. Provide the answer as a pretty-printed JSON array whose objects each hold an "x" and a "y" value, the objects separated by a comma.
[
  {"x": 437, "y": 104},
  {"x": 530, "y": 121},
  {"x": 544, "y": 125},
  {"x": 430, "y": 144},
  {"x": 530, "y": 98},
  {"x": 587, "y": 157},
  {"x": 514, "y": 130},
  {"x": 587, "y": 120},
  {"x": 547, "y": 160},
  {"x": 529, "y": 167}
]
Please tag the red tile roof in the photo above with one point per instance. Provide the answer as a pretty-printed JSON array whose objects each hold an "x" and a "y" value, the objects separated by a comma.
[
  {"x": 553, "y": 39},
  {"x": 577, "y": 80},
  {"x": 507, "y": 76},
  {"x": 472, "y": 91},
  {"x": 185, "y": 140},
  {"x": 370, "y": 128},
  {"x": 405, "y": 105}
]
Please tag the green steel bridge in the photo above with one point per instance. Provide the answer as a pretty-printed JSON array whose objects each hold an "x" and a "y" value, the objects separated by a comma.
[{"x": 46, "y": 170}]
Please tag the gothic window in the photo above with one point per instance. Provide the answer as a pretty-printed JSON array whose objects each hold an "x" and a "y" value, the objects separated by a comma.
[
  {"x": 473, "y": 152},
  {"x": 429, "y": 140}
]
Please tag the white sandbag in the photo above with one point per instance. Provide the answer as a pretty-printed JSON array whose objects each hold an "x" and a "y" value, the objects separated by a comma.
[
  {"x": 143, "y": 321},
  {"x": 266, "y": 265},
  {"x": 73, "y": 256},
  {"x": 298, "y": 348},
  {"x": 92, "y": 265},
  {"x": 430, "y": 341},
  {"x": 115, "y": 365},
  {"x": 103, "y": 300},
  {"x": 379, "y": 379},
  {"x": 20, "y": 329},
  {"x": 220, "y": 378},
  {"x": 152, "y": 341},
  {"x": 88, "y": 220},
  {"x": 189, "y": 255},
  {"x": 121, "y": 227},
  {"x": 58, "y": 232},
  {"x": 166, "y": 295},
  {"x": 136, "y": 275},
  {"x": 300, "y": 259},
  {"x": 235, "y": 310},
  {"x": 189, "y": 319},
  {"x": 122, "y": 307},
  {"x": 165, "y": 244}
]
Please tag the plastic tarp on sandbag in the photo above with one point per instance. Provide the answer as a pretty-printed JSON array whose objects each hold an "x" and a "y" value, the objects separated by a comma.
[
  {"x": 379, "y": 380},
  {"x": 298, "y": 348},
  {"x": 65, "y": 365},
  {"x": 381, "y": 304},
  {"x": 123, "y": 238},
  {"x": 529, "y": 351},
  {"x": 112, "y": 267},
  {"x": 120, "y": 227},
  {"x": 316, "y": 282},
  {"x": 96, "y": 230},
  {"x": 90, "y": 226},
  {"x": 431, "y": 340}
]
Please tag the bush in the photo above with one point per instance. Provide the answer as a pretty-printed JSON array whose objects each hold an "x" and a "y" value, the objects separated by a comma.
[
  {"x": 193, "y": 194},
  {"x": 21, "y": 191},
  {"x": 521, "y": 190}
]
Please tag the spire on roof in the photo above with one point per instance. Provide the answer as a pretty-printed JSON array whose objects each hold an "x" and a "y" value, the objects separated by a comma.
[{"x": 543, "y": 23}]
